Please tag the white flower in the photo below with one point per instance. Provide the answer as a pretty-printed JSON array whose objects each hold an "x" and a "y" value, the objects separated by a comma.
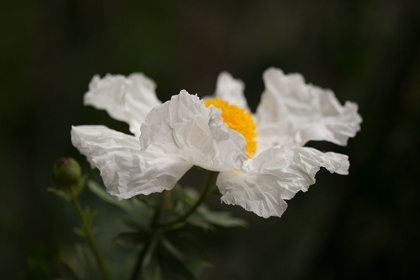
[{"x": 256, "y": 172}]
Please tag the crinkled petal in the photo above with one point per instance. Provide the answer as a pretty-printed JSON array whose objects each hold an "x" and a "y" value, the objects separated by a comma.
[
  {"x": 231, "y": 90},
  {"x": 127, "y": 99},
  {"x": 186, "y": 128},
  {"x": 276, "y": 175},
  {"x": 125, "y": 169},
  {"x": 254, "y": 192},
  {"x": 291, "y": 113}
]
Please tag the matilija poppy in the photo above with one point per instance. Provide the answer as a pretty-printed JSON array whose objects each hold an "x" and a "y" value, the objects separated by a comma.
[{"x": 260, "y": 158}]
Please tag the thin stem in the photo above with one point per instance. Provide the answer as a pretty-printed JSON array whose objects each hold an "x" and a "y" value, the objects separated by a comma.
[
  {"x": 140, "y": 259},
  {"x": 139, "y": 263},
  {"x": 203, "y": 195},
  {"x": 89, "y": 235},
  {"x": 155, "y": 226}
]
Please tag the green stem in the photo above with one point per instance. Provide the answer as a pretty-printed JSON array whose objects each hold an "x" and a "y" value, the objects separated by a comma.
[
  {"x": 88, "y": 235},
  {"x": 154, "y": 226},
  {"x": 139, "y": 264},
  {"x": 140, "y": 259},
  {"x": 203, "y": 195}
]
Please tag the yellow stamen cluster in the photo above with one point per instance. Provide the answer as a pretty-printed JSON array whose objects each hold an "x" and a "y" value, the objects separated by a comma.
[{"x": 238, "y": 119}]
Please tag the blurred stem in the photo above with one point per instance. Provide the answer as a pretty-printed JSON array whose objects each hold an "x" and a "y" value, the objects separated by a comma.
[
  {"x": 140, "y": 259},
  {"x": 139, "y": 264},
  {"x": 204, "y": 193},
  {"x": 155, "y": 226},
  {"x": 88, "y": 234}
]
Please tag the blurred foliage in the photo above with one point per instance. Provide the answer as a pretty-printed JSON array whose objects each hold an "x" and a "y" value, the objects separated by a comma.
[
  {"x": 157, "y": 227},
  {"x": 361, "y": 226}
]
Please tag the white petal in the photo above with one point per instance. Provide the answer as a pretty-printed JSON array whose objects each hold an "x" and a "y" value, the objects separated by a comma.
[
  {"x": 125, "y": 169},
  {"x": 292, "y": 112},
  {"x": 274, "y": 176},
  {"x": 125, "y": 99},
  {"x": 186, "y": 128},
  {"x": 231, "y": 90},
  {"x": 253, "y": 192}
]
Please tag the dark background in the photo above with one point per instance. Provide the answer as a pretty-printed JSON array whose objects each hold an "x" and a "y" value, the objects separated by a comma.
[{"x": 361, "y": 226}]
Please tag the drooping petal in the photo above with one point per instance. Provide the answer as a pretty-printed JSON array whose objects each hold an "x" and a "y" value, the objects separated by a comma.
[
  {"x": 291, "y": 113},
  {"x": 231, "y": 90},
  {"x": 125, "y": 169},
  {"x": 127, "y": 99},
  {"x": 276, "y": 175},
  {"x": 186, "y": 128},
  {"x": 254, "y": 192}
]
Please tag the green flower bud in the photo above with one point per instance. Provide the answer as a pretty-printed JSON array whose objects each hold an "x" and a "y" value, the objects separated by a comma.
[{"x": 67, "y": 172}]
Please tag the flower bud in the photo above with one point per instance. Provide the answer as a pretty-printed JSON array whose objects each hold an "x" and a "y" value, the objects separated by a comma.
[{"x": 67, "y": 172}]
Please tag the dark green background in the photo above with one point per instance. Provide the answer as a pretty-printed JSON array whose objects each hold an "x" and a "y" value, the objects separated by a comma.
[{"x": 361, "y": 226}]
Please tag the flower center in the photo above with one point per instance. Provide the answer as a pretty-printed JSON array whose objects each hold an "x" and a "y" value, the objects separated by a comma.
[{"x": 238, "y": 119}]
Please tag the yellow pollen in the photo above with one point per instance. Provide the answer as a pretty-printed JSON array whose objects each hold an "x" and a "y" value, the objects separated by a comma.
[{"x": 238, "y": 119}]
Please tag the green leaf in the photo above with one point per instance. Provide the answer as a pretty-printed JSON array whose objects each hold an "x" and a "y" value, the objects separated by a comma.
[
  {"x": 197, "y": 220},
  {"x": 102, "y": 194},
  {"x": 60, "y": 193},
  {"x": 152, "y": 269},
  {"x": 223, "y": 219},
  {"x": 87, "y": 262},
  {"x": 190, "y": 195},
  {"x": 156, "y": 239},
  {"x": 79, "y": 231},
  {"x": 184, "y": 245},
  {"x": 89, "y": 215},
  {"x": 131, "y": 238},
  {"x": 172, "y": 265},
  {"x": 133, "y": 207},
  {"x": 204, "y": 217}
]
